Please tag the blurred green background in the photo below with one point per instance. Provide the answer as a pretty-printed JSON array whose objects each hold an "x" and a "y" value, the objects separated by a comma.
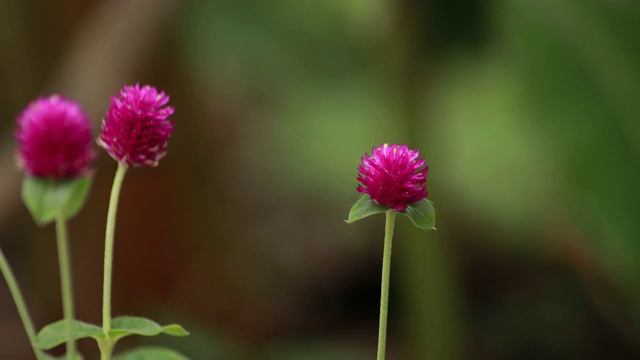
[{"x": 528, "y": 113}]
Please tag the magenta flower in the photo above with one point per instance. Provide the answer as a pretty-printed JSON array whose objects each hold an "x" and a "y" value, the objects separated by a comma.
[
  {"x": 137, "y": 127},
  {"x": 54, "y": 137},
  {"x": 392, "y": 176}
]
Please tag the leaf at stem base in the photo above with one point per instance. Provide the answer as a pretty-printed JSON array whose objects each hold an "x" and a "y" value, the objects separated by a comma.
[{"x": 55, "y": 333}]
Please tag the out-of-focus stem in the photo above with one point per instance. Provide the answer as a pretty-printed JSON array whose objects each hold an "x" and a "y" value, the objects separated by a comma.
[
  {"x": 18, "y": 299},
  {"x": 64, "y": 262}
]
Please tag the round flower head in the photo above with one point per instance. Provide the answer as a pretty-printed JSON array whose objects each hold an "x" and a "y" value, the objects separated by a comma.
[
  {"x": 137, "y": 127},
  {"x": 392, "y": 176},
  {"x": 54, "y": 137}
]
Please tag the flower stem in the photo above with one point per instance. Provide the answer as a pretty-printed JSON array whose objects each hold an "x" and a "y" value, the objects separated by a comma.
[
  {"x": 108, "y": 259},
  {"x": 384, "y": 289},
  {"x": 20, "y": 304},
  {"x": 65, "y": 282}
]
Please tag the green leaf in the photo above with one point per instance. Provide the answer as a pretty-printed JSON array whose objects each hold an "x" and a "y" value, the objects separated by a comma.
[
  {"x": 175, "y": 330},
  {"x": 55, "y": 333},
  {"x": 130, "y": 325},
  {"x": 76, "y": 196},
  {"x": 422, "y": 214},
  {"x": 363, "y": 208},
  {"x": 150, "y": 353},
  {"x": 47, "y": 198}
]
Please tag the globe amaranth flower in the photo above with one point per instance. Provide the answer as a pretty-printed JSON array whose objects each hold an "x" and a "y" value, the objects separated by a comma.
[
  {"x": 54, "y": 139},
  {"x": 392, "y": 177},
  {"x": 137, "y": 127}
]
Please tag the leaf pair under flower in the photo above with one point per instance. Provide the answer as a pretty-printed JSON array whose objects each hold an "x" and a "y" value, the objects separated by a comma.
[
  {"x": 421, "y": 213},
  {"x": 47, "y": 199}
]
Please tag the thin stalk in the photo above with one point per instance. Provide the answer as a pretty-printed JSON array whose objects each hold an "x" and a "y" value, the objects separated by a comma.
[
  {"x": 20, "y": 304},
  {"x": 64, "y": 263},
  {"x": 108, "y": 258},
  {"x": 384, "y": 288}
]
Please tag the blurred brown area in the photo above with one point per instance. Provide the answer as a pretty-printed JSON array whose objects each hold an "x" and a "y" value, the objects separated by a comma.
[{"x": 527, "y": 114}]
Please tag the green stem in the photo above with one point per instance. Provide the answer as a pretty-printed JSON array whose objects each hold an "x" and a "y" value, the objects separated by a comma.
[
  {"x": 108, "y": 259},
  {"x": 20, "y": 304},
  {"x": 64, "y": 263},
  {"x": 106, "y": 348},
  {"x": 384, "y": 289}
]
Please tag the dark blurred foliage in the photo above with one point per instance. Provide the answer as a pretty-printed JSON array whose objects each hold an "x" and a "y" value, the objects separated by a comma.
[{"x": 527, "y": 112}]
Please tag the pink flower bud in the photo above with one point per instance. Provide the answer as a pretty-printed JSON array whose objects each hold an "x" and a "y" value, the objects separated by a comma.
[
  {"x": 392, "y": 176},
  {"x": 54, "y": 137},
  {"x": 137, "y": 127}
]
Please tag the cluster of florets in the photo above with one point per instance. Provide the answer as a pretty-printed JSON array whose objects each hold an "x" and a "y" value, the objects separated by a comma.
[
  {"x": 392, "y": 177},
  {"x": 54, "y": 139},
  {"x": 54, "y": 134},
  {"x": 137, "y": 127}
]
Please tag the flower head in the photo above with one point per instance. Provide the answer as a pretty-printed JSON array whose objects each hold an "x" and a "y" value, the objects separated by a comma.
[
  {"x": 137, "y": 127},
  {"x": 392, "y": 176},
  {"x": 54, "y": 137}
]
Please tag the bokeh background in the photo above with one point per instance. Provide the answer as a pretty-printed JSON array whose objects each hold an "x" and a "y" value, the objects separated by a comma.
[{"x": 528, "y": 112}]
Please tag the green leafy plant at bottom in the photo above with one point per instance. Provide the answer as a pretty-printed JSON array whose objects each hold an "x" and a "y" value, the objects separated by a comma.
[{"x": 55, "y": 334}]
